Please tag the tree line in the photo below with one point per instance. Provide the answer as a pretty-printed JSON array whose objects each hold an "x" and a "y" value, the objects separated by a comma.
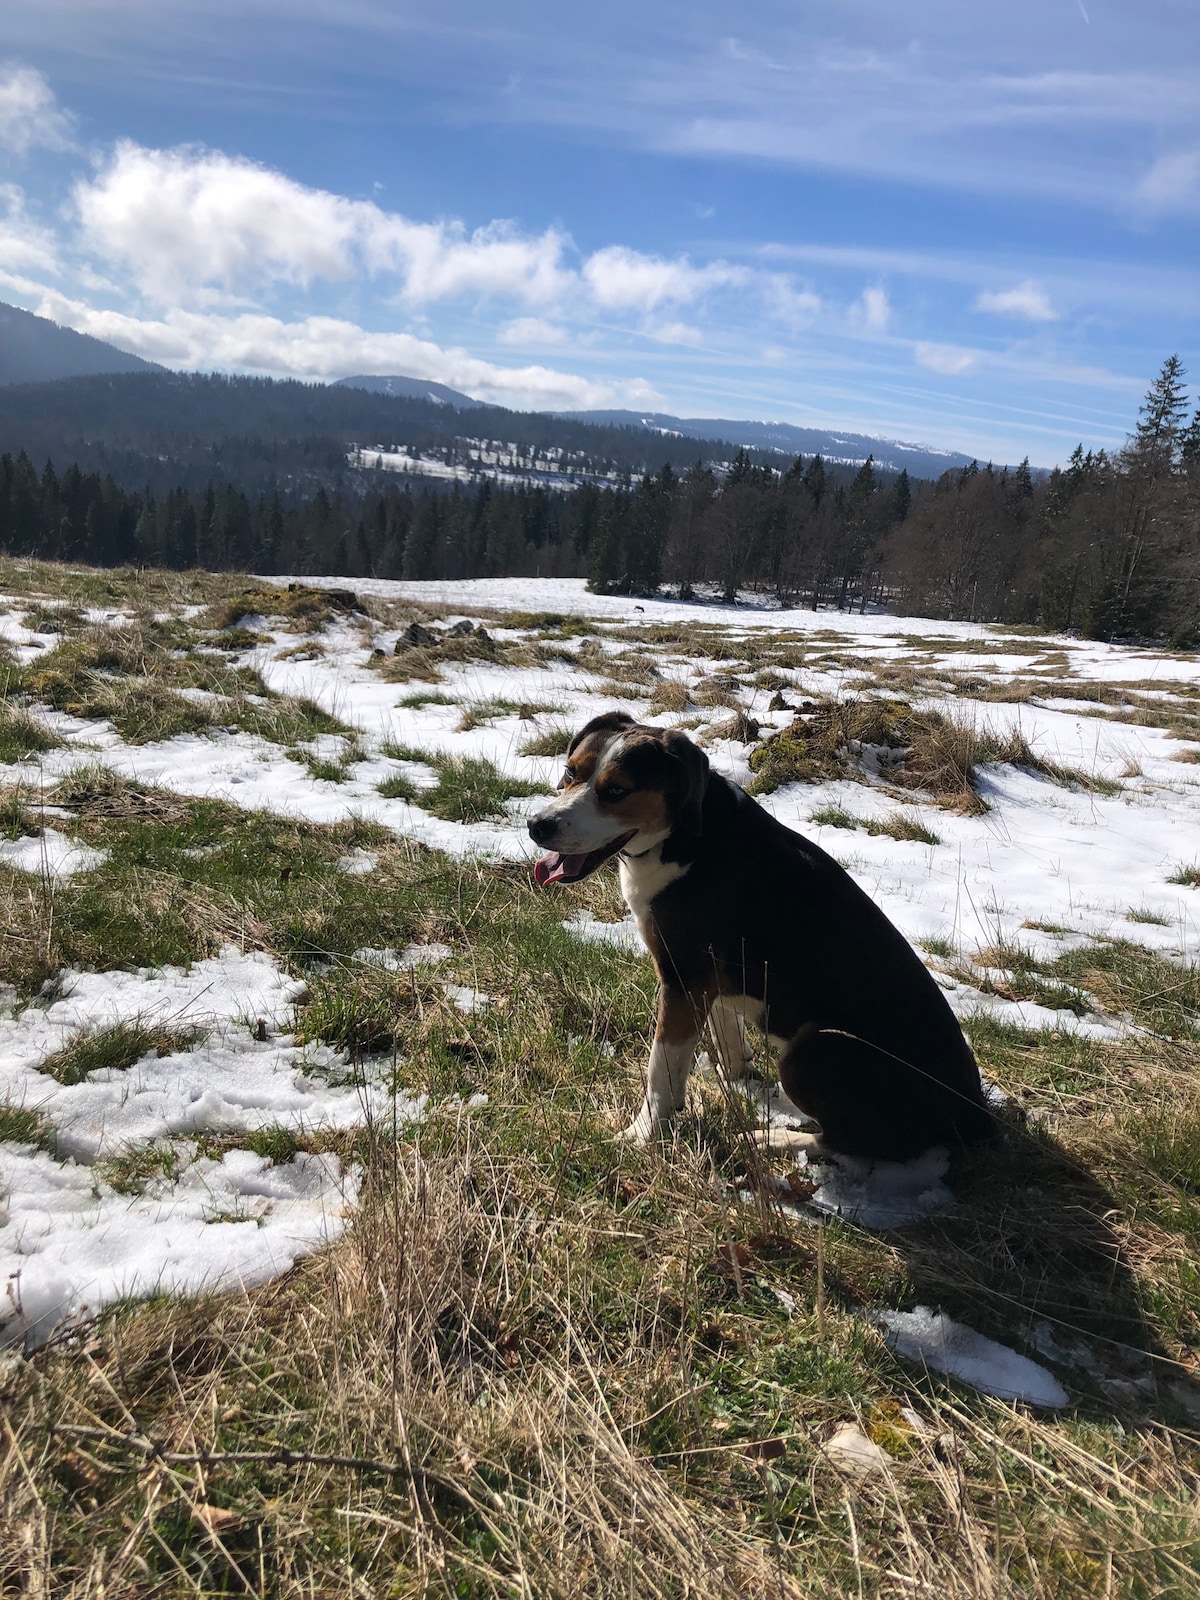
[{"x": 1108, "y": 545}]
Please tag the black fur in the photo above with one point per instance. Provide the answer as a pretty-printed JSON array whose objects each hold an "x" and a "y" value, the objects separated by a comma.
[{"x": 873, "y": 1050}]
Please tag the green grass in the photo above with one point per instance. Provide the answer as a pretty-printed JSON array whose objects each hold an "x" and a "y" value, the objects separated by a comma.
[
  {"x": 1160, "y": 994},
  {"x": 24, "y": 1125},
  {"x": 132, "y": 675},
  {"x": 541, "y": 1363},
  {"x": 1188, "y": 876},
  {"x": 23, "y": 735},
  {"x": 465, "y": 788},
  {"x": 549, "y": 742},
  {"x": 834, "y": 817},
  {"x": 393, "y": 750},
  {"x": 903, "y": 826},
  {"x": 1027, "y": 976},
  {"x": 398, "y": 787},
  {"x": 132, "y": 1172},
  {"x": 114, "y": 1049},
  {"x": 899, "y": 825},
  {"x": 358, "y": 1013},
  {"x": 425, "y": 697},
  {"x": 473, "y": 789},
  {"x": 478, "y": 713},
  {"x": 331, "y": 766}
]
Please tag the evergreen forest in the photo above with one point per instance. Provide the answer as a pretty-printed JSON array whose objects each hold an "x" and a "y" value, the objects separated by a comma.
[{"x": 1108, "y": 545}]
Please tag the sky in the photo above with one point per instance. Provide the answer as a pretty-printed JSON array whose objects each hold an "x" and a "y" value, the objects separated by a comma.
[{"x": 972, "y": 227}]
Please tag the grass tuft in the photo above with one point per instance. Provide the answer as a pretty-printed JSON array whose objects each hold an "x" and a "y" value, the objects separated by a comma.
[
  {"x": 23, "y": 735},
  {"x": 550, "y": 742},
  {"x": 24, "y": 1125},
  {"x": 472, "y": 789},
  {"x": 115, "y": 1049}
]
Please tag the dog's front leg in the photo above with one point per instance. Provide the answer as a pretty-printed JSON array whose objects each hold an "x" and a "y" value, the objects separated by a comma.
[
  {"x": 680, "y": 1020},
  {"x": 728, "y": 1029}
]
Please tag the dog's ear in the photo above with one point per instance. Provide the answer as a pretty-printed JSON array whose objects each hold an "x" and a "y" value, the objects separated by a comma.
[
  {"x": 690, "y": 816},
  {"x": 609, "y": 722}
]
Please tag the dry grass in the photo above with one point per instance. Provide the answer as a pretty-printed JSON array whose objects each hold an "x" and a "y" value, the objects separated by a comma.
[
  {"x": 671, "y": 696},
  {"x": 538, "y": 1367},
  {"x": 912, "y": 748},
  {"x": 906, "y": 747},
  {"x": 541, "y": 1364}
]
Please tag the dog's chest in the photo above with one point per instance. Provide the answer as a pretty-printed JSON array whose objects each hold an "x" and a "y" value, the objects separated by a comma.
[{"x": 643, "y": 878}]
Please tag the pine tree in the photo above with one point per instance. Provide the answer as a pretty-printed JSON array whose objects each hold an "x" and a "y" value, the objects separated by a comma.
[
  {"x": 1160, "y": 420},
  {"x": 903, "y": 496}
]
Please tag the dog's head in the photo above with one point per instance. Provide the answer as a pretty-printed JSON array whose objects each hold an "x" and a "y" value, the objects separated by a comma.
[{"x": 625, "y": 787}]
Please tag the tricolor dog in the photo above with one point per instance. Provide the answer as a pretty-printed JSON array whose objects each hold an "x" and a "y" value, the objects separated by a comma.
[{"x": 748, "y": 921}]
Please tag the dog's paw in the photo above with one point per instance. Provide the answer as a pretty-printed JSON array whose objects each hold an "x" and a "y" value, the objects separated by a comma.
[
  {"x": 643, "y": 1127},
  {"x": 786, "y": 1139}
]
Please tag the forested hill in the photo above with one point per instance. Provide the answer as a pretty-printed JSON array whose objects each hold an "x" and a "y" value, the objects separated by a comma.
[
  {"x": 163, "y": 429},
  {"x": 850, "y": 449},
  {"x": 36, "y": 350}
]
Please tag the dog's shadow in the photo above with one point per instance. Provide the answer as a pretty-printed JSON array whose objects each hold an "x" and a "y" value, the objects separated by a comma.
[{"x": 1035, "y": 1253}]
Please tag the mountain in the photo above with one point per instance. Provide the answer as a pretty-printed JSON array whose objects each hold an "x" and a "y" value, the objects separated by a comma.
[
  {"x": 848, "y": 449},
  {"x": 402, "y": 388},
  {"x": 36, "y": 350},
  {"x": 843, "y": 449}
]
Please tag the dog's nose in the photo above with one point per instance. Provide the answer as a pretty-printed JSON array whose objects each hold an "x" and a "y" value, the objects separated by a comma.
[{"x": 541, "y": 829}]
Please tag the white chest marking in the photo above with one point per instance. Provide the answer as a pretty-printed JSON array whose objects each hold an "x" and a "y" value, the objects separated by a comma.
[{"x": 643, "y": 878}]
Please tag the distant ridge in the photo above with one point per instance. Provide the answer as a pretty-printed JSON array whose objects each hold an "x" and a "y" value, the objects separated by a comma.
[
  {"x": 849, "y": 449},
  {"x": 35, "y": 350},
  {"x": 844, "y": 449},
  {"x": 404, "y": 388}
]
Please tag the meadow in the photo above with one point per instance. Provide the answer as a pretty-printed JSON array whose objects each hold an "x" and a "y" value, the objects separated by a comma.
[{"x": 325, "y": 1273}]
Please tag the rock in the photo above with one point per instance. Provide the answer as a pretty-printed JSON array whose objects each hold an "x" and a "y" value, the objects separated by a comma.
[
  {"x": 415, "y": 634},
  {"x": 853, "y": 1454},
  {"x": 460, "y": 629}
]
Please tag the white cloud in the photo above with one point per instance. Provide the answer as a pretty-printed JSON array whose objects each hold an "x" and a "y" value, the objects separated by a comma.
[
  {"x": 628, "y": 280},
  {"x": 24, "y": 246},
  {"x": 681, "y": 333},
  {"x": 29, "y": 113},
  {"x": 328, "y": 347},
  {"x": 1028, "y": 300},
  {"x": 798, "y": 308},
  {"x": 532, "y": 330},
  {"x": 1172, "y": 184},
  {"x": 872, "y": 311},
  {"x": 200, "y": 224},
  {"x": 948, "y": 359}
]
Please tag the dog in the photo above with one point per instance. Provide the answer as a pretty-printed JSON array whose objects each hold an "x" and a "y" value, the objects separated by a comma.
[{"x": 748, "y": 921}]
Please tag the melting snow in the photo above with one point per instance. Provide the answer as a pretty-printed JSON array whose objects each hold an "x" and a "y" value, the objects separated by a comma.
[
  {"x": 50, "y": 854},
  {"x": 935, "y": 1341},
  {"x": 879, "y": 1194},
  {"x": 69, "y": 1242}
]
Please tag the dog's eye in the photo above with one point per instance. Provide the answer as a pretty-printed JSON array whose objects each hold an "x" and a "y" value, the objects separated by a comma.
[
  {"x": 611, "y": 793},
  {"x": 567, "y": 778}
]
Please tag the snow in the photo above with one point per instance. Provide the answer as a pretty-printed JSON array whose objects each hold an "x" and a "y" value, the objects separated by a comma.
[
  {"x": 70, "y": 1246},
  {"x": 49, "y": 854},
  {"x": 624, "y": 934},
  {"x": 1047, "y": 869},
  {"x": 935, "y": 1341},
  {"x": 879, "y": 1194},
  {"x": 413, "y": 955},
  {"x": 69, "y": 1242}
]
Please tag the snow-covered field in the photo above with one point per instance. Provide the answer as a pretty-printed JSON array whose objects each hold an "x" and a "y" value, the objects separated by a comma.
[{"x": 1048, "y": 866}]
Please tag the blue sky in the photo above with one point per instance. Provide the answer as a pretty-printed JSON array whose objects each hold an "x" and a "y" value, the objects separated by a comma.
[{"x": 974, "y": 227}]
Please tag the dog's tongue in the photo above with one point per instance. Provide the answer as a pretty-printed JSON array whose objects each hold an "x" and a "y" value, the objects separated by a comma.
[{"x": 552, "y": 867}]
